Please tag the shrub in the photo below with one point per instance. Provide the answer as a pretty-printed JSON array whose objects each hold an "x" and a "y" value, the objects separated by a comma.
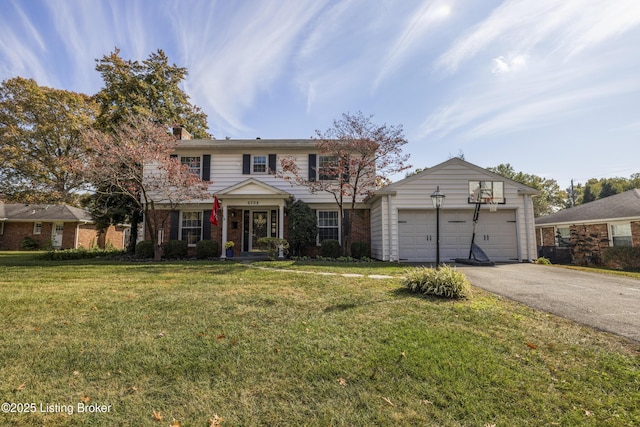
[
  {"x": 544, "y": 261},
  {"x": 144, "y": 249},
  {"x": 81, "y": 253},
  {"x": 330, "y": 248},
  {"x": 623, "y": 257},
  {"x": 443, "y": 282},
  {"x": 360, "y": 250},
  {"x": 207, "y": 249},
  {"x": 174, "y": 249},
  {"x": 29, "y": 244},
  {"x": 302, "y": 225},
  {"x": 272, "y": 246}
]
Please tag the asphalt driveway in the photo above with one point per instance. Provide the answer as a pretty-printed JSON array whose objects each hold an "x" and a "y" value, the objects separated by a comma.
[{"x": 607, "y": 302}]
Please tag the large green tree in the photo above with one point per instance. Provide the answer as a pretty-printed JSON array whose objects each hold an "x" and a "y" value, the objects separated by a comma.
[
  {"x": 40, "y": 131},
  {"x": 149, "y": 88},
  {"x": 551, "y": 197}
]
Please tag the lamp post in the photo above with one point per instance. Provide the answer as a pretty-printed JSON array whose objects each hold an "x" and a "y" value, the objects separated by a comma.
[{"x": 437, "y": 198}]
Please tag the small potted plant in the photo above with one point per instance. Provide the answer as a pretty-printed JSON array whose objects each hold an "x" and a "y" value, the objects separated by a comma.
[{"x": 228, "y": 245}]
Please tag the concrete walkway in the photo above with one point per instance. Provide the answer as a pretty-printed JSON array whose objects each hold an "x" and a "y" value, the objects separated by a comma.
[{"x": 603, "y": 301}]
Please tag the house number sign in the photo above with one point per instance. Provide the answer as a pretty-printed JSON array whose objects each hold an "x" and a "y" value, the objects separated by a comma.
[{"x": 253, "y": 202}]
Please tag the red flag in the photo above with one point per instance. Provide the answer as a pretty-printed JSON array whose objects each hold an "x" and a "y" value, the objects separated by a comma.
[{"x": 213, "y": 219}]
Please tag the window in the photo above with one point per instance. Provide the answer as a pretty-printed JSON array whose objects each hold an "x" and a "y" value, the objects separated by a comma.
[
  {"x": 259, "y": 164},
  {"x": 37, "y": 228},
  {"x": 482, "y": 190},
  {"x": 563, "y": 237},
  {"x": 194, "y": 164},
  {"x": 328, "y": 225},
  {"x": 326, "y": 167},
  {"x": 191, "y": 227},
  {"x": 621, "y": 234}
]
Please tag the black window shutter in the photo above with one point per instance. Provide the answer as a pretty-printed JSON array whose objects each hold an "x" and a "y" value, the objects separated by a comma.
[
  {"x": 206, "y": 225},
  {"x": 312, "y": 167},
  {"x": 246, "y": 164},
  {"x": 272, "y": 164},
  {"x": 174, "y": 225},
  {"x": 206, "y": 167}
]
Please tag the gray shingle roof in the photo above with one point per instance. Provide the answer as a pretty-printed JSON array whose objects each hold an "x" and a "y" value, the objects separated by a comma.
[
  {"x": 622, "y": 205},
  {"x": 40, "y": 212}
]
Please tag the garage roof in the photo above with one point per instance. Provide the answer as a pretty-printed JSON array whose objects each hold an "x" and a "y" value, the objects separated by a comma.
[{"x": 42, "y": 212}]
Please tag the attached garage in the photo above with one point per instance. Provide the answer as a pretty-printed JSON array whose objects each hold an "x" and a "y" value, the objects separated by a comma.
[
  {"x": 495, "y": 234},
  {"x": 408, "y": 219}
]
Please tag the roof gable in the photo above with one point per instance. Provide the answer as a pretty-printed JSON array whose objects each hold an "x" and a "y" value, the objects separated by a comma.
[
  {"x": 252, "y": 187},
  {"x": 618, "y": 206},
  {"x": 456, "y": 161}
]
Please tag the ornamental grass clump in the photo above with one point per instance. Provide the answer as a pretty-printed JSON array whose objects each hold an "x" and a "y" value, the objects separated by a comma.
[{"x": 444, "y": 282}]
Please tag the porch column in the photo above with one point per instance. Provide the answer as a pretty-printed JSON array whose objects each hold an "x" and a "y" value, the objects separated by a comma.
[
  {"x": 281, "y": 229},
  {"x": 223, "y": 255}
]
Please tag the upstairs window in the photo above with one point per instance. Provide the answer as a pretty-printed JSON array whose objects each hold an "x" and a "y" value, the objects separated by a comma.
[
  {"x": 327, "y": 167},
  {"x": 259, "y": 164},
  {"x": 194, "y": 164}
]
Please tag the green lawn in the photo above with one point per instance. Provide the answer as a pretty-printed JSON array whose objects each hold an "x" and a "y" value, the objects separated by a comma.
[{"x": 187, "y": 341}]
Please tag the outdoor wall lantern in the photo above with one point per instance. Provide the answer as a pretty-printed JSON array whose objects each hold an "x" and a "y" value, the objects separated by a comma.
[{"x": 437, "y": 198}]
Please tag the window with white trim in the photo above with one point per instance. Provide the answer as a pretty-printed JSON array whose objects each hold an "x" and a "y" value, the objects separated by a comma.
[
  {"x": 328, "y": 225},
  {"x": 191, "y": 227},
  {"x": 37, "y": 228},
  {"x": 326, "y": 167},
  {"x": 621, "y": 235},
  {"x": 194, "y": 163},
  {"x": 259, "y": 164},
  {"x": 563, "y": 237}
]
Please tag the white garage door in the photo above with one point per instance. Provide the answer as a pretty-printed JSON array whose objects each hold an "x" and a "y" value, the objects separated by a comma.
[{"x": 495, "y": 234}]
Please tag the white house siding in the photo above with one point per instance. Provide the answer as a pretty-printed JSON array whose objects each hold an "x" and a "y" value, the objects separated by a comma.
[
  {"x": 379, "y": 233},
  {"x": 506, "y": 230}
]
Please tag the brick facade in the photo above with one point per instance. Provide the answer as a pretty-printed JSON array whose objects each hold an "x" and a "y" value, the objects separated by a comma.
[
  {"x": 635, "y": 233},
  {"x": 15, "y": 232}
]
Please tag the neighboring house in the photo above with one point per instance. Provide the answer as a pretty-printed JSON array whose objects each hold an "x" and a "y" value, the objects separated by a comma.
[
  {"x": 244, "y": 176},
  {"x": 615, "y": 220},
  {"x": 403, "y": 219},
  {"x": 57, "y": 226}
]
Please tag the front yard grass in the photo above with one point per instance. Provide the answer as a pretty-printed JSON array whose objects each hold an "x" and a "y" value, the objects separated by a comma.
[{"x": 187, "y": 341}]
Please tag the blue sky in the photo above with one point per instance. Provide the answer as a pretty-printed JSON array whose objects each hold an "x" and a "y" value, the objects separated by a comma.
[{"x": 551, "y": 87}]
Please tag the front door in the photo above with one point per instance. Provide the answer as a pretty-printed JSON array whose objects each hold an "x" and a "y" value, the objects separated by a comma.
[
  {"x": 259, "y": 228},
  {"x": 56, "y": 234}
]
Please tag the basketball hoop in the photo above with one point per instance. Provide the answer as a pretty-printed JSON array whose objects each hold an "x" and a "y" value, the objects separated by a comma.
[{"x": 493, "y": 205}]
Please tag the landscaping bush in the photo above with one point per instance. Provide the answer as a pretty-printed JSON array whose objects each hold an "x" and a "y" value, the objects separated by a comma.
[
  {"x": 544, "y": 261},
  {"x": 81, "y": 253},
  {"x": 207, "y": 249},
  {"x": 144, "y": 249},
  {"x": 443, "y": 282},
  {"x": 174, "y": 249},
  {"x": 272, "y": 246},
  {"x": 622, "y": 257},
  {"x": 330, "y": 248},
  {"x": 360, "y": 250},
  {"x": 29, "y": 244}
]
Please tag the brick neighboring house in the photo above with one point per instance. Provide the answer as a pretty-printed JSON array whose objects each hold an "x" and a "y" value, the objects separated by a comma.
[
  {"x": 58, "y": 226},
  {"x": 611, "y": 221}
]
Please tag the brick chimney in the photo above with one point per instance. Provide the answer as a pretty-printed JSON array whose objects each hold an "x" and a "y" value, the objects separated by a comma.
[{"x": 181, "y": 133}]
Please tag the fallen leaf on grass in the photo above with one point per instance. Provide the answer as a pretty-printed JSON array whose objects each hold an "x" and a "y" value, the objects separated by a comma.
[
  {"x": 20, "y": 387},
  {"x": 388, "y": 401},
  {"x": 175, "y": 423},
  {"x": 532, "y": 345},
  {"x": 157, "y": 416},
  {"x": 221, "y": 336},
  {"x": 85, "y": 399},
  {"x": 342, "y": 381},
  {"x": 588, "y": 413},
  {"x": 215, "y": 421}
]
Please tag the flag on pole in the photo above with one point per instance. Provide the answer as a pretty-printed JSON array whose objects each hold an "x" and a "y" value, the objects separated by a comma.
[{"x": 213, "y": 218}]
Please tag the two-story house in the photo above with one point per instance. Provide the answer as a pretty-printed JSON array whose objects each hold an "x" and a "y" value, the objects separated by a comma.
[{"x": 245, "y": 177}]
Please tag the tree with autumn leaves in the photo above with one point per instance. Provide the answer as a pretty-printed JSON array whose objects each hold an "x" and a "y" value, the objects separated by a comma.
[
  {"x": 115, "y": 168},
  {"x": 356, "y": 155}
]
